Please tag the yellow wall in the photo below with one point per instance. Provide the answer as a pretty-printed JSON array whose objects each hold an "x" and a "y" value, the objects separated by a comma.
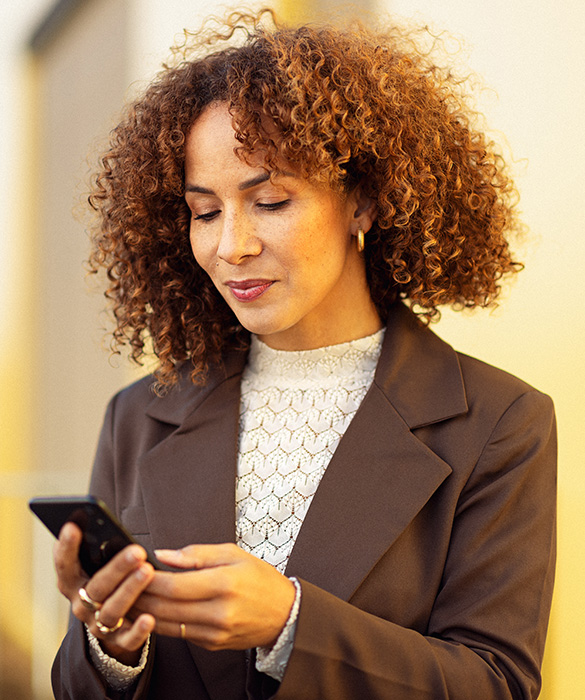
[{"x": 15, "y": 418}]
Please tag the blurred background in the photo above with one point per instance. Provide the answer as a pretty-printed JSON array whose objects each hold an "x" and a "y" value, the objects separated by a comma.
[{"x": 66, "y": 68}]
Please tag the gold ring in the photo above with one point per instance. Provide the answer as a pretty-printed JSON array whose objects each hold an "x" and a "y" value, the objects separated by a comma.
[
  {"x": 87, "y": 601},
  {"x": 183, "y": 635},
  {"x": 107, "y": 630}
]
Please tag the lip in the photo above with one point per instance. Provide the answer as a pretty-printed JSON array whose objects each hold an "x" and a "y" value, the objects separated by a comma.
[{"x": 248, "y": 290}]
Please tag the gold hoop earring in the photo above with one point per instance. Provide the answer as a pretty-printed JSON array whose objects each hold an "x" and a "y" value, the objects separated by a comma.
[{"x": 361, "y": 243}]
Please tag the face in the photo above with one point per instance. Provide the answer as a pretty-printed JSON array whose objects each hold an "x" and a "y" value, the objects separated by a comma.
[{"x": 282, "y": 253}]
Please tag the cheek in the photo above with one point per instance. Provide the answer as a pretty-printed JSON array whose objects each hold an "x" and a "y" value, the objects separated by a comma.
[{"x": 201, "y": 252}]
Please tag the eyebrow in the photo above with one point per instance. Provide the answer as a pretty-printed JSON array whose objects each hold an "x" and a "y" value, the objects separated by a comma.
[{"x": 246, "y": 185}]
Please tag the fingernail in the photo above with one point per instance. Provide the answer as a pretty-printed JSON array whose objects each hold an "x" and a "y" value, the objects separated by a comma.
[
  {"x": 141, "y": 573},
  {"x": 67, "y": 533},
  {"x": 145, "y": 625},
  {"x": 133, "y": 555}
]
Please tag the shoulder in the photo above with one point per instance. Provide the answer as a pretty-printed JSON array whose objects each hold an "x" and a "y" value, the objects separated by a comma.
[
  {"x": 509, "y": 427},
  {"x": 140, "y": 399},
  {"x": 139, "y": 393},
  {"x": 487, "y": 386},
  {"x": 428, "y": 382}
]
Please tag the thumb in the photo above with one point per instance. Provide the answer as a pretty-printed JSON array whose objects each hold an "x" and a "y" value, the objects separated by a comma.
[{"x": 199, "y": 556}]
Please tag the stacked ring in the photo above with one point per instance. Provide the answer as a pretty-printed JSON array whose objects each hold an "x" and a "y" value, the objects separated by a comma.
[
  {"x": 103, "y": 628},
  {"x": 88, "y": 602}
]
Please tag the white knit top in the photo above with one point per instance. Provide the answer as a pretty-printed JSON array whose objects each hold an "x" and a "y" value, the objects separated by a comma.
[{"x": 294, "y": 409}]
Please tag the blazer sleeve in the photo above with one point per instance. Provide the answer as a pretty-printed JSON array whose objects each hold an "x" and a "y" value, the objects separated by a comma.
[
  {"x": 73, "y": 675},
  {"x": 486, "y": 630}
]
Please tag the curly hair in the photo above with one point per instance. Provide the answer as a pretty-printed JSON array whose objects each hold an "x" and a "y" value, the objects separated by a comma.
[{"x": 351, "y": 107}]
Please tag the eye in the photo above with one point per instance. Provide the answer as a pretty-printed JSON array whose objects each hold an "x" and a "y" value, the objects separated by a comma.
[
  {"x": 206, "y": 216},
  {"x": 273, "y": 206}
]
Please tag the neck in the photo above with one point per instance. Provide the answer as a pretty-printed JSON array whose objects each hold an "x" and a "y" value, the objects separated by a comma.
[{"x": 358, "y": 321}]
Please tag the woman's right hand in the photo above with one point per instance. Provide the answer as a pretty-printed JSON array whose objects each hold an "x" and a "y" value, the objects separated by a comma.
[{"x": 115, "y": 588}]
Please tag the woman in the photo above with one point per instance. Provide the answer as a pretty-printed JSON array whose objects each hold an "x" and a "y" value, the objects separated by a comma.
[{"x": 354, "y": 509}]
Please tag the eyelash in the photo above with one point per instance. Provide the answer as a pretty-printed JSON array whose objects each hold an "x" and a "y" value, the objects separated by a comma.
[
  {"x": 267, "y": 206},
  {"x": 273, "y": 206},
  {"x": 208, "y": 216}
]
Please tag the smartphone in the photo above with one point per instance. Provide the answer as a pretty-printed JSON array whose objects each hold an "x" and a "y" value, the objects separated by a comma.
[{"x": 103, "y": 535}]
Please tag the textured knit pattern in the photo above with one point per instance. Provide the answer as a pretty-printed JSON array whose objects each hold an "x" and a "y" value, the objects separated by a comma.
[
  {"x": 117, "y": 675},
  {"x": 294, "y": 409}
]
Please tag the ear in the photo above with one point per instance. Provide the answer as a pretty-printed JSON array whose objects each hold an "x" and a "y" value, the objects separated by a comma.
[{"x": 365, "y": 211}]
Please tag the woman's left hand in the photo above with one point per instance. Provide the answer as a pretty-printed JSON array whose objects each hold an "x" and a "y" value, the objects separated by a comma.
[{"x": 226, "y": 598}]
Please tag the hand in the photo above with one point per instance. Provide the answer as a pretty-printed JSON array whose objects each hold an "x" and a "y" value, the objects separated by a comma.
[
  {"x": 115, "y": 587},
  {"x": 228, "y": 599}
]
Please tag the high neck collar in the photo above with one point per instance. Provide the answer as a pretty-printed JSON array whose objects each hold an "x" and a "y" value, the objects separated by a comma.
[{"x": 334, "y": 363}]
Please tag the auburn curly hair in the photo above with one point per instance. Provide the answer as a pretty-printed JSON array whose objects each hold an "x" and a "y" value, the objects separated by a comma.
[{"x": 350, "y": 106}]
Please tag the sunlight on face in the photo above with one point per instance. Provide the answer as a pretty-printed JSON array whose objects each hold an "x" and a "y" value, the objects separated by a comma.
[{"x": 282, "y": 253}]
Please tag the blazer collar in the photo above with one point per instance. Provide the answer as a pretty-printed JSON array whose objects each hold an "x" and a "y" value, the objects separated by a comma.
[
  {"x": 185, "y": 397},
  {"x": 418, "y": 372}
]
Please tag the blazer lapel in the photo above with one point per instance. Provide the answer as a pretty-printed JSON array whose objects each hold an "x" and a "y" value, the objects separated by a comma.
[
  {"x": 191, "y": 474},
  {"x": 377, "y": 481},
  {"x": 191, "y": 491},
  {"x": 381, "y": 475}
]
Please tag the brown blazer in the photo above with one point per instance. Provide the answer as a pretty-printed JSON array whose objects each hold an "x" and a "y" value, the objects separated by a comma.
[{"x": 426, "y": 558}]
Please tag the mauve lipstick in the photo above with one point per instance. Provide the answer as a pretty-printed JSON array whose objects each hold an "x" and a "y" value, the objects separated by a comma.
[{"x": 248, "y": 290}]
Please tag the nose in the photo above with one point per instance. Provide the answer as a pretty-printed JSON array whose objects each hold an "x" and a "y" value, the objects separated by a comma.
[{"x": 238, "y": 239}]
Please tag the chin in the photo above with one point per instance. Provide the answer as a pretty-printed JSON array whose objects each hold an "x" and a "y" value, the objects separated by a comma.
[{"x": 259, "y": 326}]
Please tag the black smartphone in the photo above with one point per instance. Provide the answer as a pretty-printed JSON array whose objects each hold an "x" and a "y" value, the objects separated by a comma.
[{"x": 103, "y": 535}]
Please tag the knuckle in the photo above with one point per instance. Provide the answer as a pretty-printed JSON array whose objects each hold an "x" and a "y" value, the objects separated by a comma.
[
  {"x": 223, "y": 620},
  {"x": 62, "y": 588},
  {"x": 78, "y": 610},
  {"x": 230, "y": 548},
  {"x": 220, "y": 640},
  {"x": 213, "y": 643},
  {"x": 223, "y": 583}
]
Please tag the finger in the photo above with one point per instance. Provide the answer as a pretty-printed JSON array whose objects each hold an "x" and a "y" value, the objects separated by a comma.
[
  {"x": 200, "y": 556},
  {"x": 105, "y": 581},
  {"x": 208, "y": 637},
  {"x": 189, "y": 585},
  {"x": 212, "y": 629},
  {"x": 126, "y": 644},
  {"x": 134, "y": 636},
  {"x": 171, "y": 610},
  {"x": 118, "y": 604},
  {"x": 66, "y": 559}
]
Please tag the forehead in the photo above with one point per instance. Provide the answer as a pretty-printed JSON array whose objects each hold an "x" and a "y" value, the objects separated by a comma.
[
  {"x": 214, "y": 124},
  {"x": 211, "y": 142},
  {"x": 211, "y": 151}
]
